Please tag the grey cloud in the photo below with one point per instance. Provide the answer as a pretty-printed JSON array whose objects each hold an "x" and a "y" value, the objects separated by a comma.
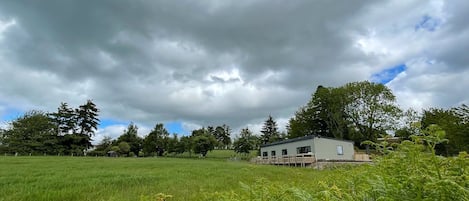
[{"x": 150, "y": 61}]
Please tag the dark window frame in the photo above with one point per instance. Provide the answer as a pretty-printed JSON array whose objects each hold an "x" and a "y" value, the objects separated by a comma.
[
  {"x": 303, "y": 150},
  {"x": 284, "y": 152}
]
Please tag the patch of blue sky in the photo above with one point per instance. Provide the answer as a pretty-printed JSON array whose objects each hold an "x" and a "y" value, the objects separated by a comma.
[
  {"x": 110, "y": 122},
  {"x": 428, "y": 23},
  {"x": 387, "y": 75},
  {"x": 175, "y": 127},
  {"x": 12, "y": 114}
]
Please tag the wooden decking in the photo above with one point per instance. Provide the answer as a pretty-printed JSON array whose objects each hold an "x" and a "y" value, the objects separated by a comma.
[
  {"x": 301, "y": 160},
  {"x": 308, "y": 160}
]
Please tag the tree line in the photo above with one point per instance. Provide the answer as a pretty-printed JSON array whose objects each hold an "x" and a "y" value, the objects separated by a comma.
[
  {"x": 67, "y": 131},
  {"x": 357, "y": 111},
  {"x": 159, "y": 142},
  {"x": 366, "y": 111}
]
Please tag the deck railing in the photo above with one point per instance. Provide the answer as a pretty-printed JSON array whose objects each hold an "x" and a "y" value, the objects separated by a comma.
[{"x": 295, "y": 160}]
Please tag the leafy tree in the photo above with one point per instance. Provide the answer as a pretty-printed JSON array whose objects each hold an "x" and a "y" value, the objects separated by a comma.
[
  {"x": 172, "y": 144},
  {"x": 302, "y": 123},
  {"x": 34, "y": 133},
  {"x": 202, "y": 141},
  {"x": 203, "y": 144},
  {"x": 87, "y": 118},
  {"x": 156, "y": 140},
  {"x": 358, "y": 111},
  {"x": 74, "y": 143},
  {"x": 222, "y": 134},
  {"x": 131, "y": 137},
  {"x": 270, "y": 131},
  {"x": 104, "y": 146},
  {"x": 184, "y": 144},
  {"x": 454, "y": 123},
  {"x": 371, "y": 109},
  {"x": 245, "y": 143},
  {"x": 124, "y": 147},
  {"x": 411, "y": 124},
  {"x": 323, "y": 115}
]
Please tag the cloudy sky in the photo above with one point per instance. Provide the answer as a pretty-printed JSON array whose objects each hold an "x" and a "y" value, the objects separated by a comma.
[{"x": 196, "y": 63}]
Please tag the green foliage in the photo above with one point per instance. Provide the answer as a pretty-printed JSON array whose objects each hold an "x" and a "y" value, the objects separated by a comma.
[
  {"x": 203, "y": 144},
  {"x": 371, "y": 109},
  {"x": 222, "y": 135},
  {"x": 65, "y": 118},
  {"x": 156, "y": 141},
  {"x": 245, "y": 143},
  {"x": 358, "y": 111},
  {"x": 270, "y": 131},
  {"x": 103, "y": 147},
  {"x": 130, "y": 136},
  {"x": 124, "y": 147},
  {"x": 455, "y": 123},
  {"x": 87, "y": 118},
  {"x": 32, "y": 133},
  {"x": 412, "y": 171}
]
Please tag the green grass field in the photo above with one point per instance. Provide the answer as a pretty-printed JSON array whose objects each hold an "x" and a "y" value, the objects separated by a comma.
[
  {"x": 98, "y": 178},
  {"x": 411, "y": 173}
]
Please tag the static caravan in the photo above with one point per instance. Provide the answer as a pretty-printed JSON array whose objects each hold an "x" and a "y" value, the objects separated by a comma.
[{"x": 317, "y": 147}]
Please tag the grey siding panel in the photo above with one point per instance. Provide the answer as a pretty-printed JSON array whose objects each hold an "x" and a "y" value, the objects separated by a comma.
[{"x": 327, "y": 149}]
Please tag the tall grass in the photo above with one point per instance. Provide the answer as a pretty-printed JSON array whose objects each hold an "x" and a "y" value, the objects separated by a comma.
[
  {"x": 411, "y": 171},
  {"x": 97, "y": 178}
]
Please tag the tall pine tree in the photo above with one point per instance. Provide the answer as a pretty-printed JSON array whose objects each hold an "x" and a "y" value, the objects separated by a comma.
[
  {"x": 87, "y": 118},
  {"x": 270, "y": 131}
]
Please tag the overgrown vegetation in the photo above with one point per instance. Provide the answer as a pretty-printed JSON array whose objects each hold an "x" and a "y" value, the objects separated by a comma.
[{"x": 409, "y": 171}]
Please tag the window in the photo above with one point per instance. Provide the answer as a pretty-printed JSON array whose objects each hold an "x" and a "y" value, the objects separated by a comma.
[
  {"x": 303, "y": 150},
  {"x": 284, "y": 152},
  {"x": 340, "y": 150},
  {"x": 272, "y": 153},
  {"x": 264, "y": 154}
]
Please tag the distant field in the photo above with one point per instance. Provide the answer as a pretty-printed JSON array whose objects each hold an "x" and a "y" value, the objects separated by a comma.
[{"x": 98, "y": 178}]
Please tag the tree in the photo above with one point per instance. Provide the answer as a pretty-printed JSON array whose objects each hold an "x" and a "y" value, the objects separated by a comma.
[
  {"x": 245, "y": 143},
  {"x": 87, "y": 118},
  {"x": 104, "y": 146},
  {"x": 124, "y": 147},
  {"x": 270, "y": 131},
  {"x": 411, "y": 125},
  {"x": 130, "y": 136},
  {"x": 323, "y": 115},
  {"x": 172, "y": 144},
  {"x": 65, "y": 118},
  {"x": 301, "y": 124},
  {"x": 454, "y": 122},
  {"x": 371, "y": 109},
  {"x": 222, "y": 134},
  {"x": 156, "y": 141},
  {"x": 203, "y": 144},
  {"x": 357, "y": 111},
  {"x": 32, "y": 133},
  {"x": 184, "y": 144},
  {"x": 202, "y": 141}
]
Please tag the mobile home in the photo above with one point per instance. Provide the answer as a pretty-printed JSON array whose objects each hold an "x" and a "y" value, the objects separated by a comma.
[{"x": 320, "y": 148}]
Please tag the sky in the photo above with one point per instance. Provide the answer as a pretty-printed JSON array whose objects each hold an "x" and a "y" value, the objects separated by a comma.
[{"x": 189, "y": 64}]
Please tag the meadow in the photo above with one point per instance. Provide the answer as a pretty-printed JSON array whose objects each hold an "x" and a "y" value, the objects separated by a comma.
[
  {"x": 99, "y": 178},
  {"x": 409, "y": 171}
]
